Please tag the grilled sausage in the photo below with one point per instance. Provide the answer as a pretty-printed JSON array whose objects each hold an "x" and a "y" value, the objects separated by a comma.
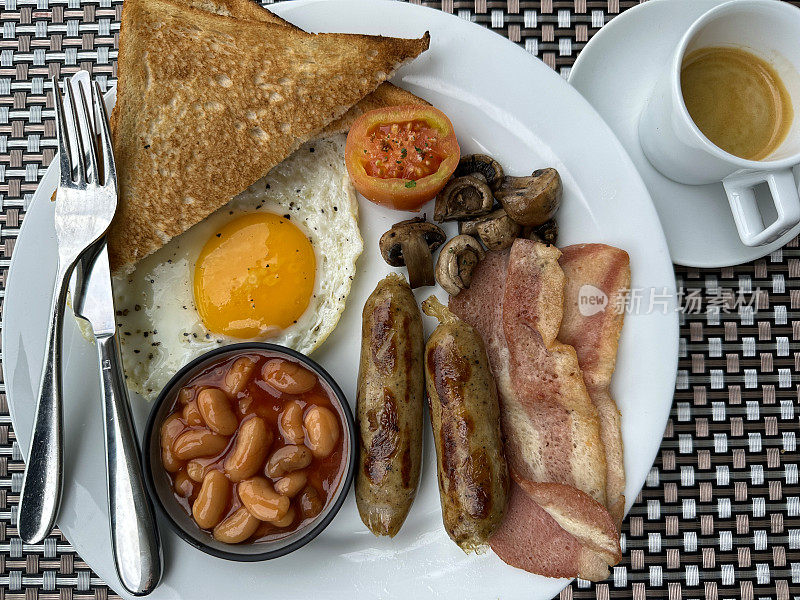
[
  {"x": 465, "y": 418},
  {"x": 391, "y": 391}
]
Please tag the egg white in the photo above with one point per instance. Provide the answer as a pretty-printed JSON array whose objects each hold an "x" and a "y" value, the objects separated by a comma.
[{"x": 159, "y": 326}]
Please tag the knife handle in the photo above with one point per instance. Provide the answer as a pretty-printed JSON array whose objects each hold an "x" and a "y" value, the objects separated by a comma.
[
  {"x": 134, "y": 537},
  {"x": 41, "y": 486}
]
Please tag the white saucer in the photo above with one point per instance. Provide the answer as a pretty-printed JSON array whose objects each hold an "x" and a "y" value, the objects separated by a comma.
[{"x": 616, "y": 72}]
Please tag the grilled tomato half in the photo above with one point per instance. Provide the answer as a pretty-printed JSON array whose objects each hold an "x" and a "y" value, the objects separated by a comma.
[{"x": 401, "y": 156}]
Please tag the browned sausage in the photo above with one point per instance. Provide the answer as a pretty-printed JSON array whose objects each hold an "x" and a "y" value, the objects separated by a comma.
[
  {"x": 465, "y": 418},
  {"x": 391, "y": 392}
]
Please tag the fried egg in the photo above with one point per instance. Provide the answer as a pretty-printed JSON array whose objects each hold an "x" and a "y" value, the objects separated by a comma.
[{"x": 275, "y": 265}]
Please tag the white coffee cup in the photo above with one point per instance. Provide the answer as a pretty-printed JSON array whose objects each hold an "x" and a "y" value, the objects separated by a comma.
[{"x": 677, "y": 148}]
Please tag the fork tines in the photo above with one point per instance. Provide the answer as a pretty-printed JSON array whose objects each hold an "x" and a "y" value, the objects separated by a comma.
[{"x": 84, "y": 140}]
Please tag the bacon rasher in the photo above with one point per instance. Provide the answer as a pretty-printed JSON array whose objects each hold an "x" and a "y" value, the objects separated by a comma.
[{"x": 595, "y": 337}]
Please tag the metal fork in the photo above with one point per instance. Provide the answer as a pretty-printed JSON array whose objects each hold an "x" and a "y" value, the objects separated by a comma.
[{"x": 86, "y": 201}]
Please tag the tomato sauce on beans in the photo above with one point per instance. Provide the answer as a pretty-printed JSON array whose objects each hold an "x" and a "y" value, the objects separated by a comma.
[{"x": 268, "y": 424}]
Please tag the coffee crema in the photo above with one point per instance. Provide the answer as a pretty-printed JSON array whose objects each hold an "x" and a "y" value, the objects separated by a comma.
[{"x": 737, "y": 100}]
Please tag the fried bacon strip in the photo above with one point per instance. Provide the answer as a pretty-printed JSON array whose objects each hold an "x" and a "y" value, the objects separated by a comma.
[{"x": 595, "y": 337}]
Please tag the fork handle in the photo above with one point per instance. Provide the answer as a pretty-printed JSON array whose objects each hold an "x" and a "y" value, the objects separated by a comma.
[
  {"x": 41, "y": 486},
  {"x": 134, "y": 537}
]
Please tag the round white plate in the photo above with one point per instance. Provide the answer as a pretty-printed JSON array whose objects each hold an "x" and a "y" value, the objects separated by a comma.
[
  {"x": 616, "y": 73},
  {"x": 502, "y": 101}
]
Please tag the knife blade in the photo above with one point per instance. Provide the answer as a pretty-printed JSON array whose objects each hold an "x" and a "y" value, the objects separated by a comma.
[
  {"x": 135, "y": 541},
  {"x": 94, "y": 297}
]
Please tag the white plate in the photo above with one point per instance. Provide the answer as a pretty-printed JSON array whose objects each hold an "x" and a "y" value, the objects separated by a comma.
[
  {"x": 502, "y": 101},
  {"x": 616, "y": 72}
]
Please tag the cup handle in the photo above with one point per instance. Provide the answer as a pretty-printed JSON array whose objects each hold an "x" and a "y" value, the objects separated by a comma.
[{"x": 741, "y": 194}]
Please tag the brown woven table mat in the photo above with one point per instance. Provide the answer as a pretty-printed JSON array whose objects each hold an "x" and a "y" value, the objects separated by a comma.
[{"x": 719, "y": 516}]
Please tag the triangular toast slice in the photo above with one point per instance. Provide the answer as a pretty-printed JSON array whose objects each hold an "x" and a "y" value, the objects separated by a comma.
[
  {"x": 208, "y": 104},
  {"x": 385, "y": 95}
]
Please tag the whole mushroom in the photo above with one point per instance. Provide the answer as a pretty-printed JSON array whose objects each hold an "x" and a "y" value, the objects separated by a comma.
[
  {"x": 496, "y": 230},
  {"x": 457, "y": 259},
  {"x": 488, "y": 169},
  {"x": 533, "y": 200},
  {"x": 547, "y": 232},
  {"x": 411, "y": 243},
  {"x": 463, "y": 198}
]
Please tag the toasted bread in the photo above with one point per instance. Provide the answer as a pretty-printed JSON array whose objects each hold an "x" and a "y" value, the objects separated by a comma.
[
  {"x": 208, "y": 104},
  {"x": 386, "y": 94},
  {"x": 239, "y": 9}
]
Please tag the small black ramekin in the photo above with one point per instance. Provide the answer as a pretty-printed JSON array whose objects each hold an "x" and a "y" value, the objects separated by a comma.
[{"x": 160, "y": 489}]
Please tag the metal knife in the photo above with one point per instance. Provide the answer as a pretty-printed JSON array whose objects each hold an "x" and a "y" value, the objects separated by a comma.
[{"x": 134, "y": 537}]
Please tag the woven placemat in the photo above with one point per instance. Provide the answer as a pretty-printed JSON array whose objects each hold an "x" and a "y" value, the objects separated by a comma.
[{"x": 719, "y": 516}]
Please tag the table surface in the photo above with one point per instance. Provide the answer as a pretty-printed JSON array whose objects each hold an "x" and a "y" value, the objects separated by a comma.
[{"x": 719, "y": 516}]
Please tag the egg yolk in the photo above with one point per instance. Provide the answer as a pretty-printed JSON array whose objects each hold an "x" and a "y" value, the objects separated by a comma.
[{"x": 254, "y": 277}]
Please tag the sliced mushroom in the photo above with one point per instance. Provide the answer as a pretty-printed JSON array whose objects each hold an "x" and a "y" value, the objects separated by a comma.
[
  {"x": 411, "y": 243},
  {"x": 489, "y": 169},
  {"x": 456, "y": 262},
  {"x": 547, "y": 233},
  {"x": 463, "y": 198},
  {"x": 534, "y": 200},
  {"x": 496, "y": 230}
]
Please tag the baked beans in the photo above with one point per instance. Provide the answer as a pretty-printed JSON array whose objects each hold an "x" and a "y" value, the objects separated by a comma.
[{"x": 253, "y": 447}]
